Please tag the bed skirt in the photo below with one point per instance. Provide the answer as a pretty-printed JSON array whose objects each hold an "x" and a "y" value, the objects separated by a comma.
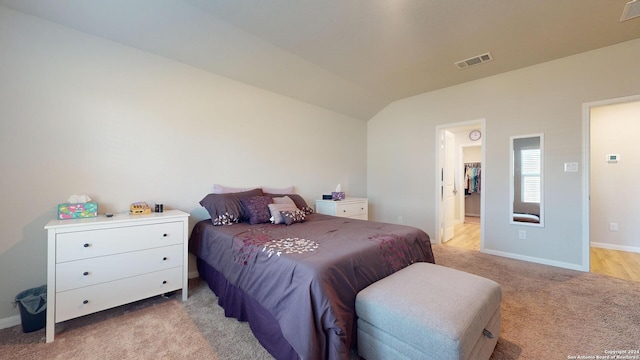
[{"x": 237, "y": 304}]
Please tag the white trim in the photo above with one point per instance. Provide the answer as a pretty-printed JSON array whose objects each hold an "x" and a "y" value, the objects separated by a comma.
[
  {"x": 10, "y": 321},
  {"x": 634, "y": 249},
  {"x": 193, "y": 274},
  {"x": 537, "y": 260},
  {"x": 586, "y": 161}
]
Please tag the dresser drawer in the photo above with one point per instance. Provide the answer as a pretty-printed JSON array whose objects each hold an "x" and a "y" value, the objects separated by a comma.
[
  {"x": 86, "y": 272},
  {"x": 93, "y": 243},
  {"x": 87, "y": 300},
  {"x": 351, "y": 210}
]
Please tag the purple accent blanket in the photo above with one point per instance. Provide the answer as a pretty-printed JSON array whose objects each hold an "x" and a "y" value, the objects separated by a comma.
[{"x": 307, "y": 274}]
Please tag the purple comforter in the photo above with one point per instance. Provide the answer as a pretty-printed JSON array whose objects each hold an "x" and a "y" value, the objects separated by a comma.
[{"x": 308, "y": 274}]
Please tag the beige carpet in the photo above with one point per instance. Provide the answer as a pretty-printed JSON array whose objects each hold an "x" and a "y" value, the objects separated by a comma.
[
  {"x": 154, "y": 328},
  {"x": 548, "y": 313}
]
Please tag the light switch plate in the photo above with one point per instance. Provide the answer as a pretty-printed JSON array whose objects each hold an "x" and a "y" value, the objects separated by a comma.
[{"x": 571, "y": 167}]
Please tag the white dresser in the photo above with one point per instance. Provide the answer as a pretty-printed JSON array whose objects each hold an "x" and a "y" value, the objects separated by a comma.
[
  {"x": 355, "y": 208},
  {"x": 98, "y": 263}
]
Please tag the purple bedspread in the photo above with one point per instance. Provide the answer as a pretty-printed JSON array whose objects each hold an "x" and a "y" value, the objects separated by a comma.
[{"x": 307, "y": 274}]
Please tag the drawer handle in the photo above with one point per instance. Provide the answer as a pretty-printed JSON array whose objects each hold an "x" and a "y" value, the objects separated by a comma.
[
  {"x": 85, "y": 273},
  {"x": 344, "y": 210},
  {"x": 85, "y": 302},
  {"x": 164, "y": 282},
  {"x": 86, "y": 245},
  {"x": 165, "y": 235},
  {"x": 164, "y": 258}
]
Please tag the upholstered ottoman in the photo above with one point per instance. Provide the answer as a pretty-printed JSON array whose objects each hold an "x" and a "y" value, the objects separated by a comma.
[{"x": 428, "y": 311}]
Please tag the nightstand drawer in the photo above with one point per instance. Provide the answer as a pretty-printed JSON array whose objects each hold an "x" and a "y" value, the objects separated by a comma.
[
  {"x": 93, "y": 243},
  {"x": 353, "y": 209},
  {"x": 87, "y": 300},
  {"x": 76, "y": 274}
]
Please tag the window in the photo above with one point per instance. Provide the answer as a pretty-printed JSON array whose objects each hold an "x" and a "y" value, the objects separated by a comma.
[{"x": 530, "y": 172}]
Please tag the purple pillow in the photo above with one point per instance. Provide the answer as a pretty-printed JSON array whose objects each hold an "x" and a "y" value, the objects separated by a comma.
[
  {"x": 292, "y": 217},
  {"x": 226, "y": 209},
  {"x": 257, "y": 207}
]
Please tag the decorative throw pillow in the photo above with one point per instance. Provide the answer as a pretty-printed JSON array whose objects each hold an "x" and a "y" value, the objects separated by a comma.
[
  {"x": 275, "y": 210},
  {"x": 297, "y": 199},
  {"x": 257, "y": 207},
  {"x": 292, "y": 217},
  {"x": 226, "y": 209}
]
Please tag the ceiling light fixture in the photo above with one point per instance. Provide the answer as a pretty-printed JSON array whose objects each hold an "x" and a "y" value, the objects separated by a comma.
[
  {"x": 631, "y": 10},
  {"x": 463, "y": 64}
]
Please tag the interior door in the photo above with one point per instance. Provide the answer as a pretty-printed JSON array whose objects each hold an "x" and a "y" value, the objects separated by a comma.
[{"x": 448, "y": 185}]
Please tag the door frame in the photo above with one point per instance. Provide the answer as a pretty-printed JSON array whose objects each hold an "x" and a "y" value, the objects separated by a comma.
[{"x": 439, "y": 216}]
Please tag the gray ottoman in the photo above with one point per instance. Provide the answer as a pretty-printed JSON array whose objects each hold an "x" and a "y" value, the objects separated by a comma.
[{"x": 428, "y": 311}]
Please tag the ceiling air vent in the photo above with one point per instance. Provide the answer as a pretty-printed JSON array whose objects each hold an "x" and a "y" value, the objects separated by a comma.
[
  {"x": 475, "y": 60},
  {"x": 631, "y": 10}
]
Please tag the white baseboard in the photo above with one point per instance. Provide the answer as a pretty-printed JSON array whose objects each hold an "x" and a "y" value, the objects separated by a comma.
[
  {"x": 193, "y": 274},
  {"x": 9, "y": 321},
  {"x": 634, "y": 249},
  {"x": 536, "y": 260}
]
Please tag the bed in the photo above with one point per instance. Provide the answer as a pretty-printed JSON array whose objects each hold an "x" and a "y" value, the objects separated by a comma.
[{"x": 295, "y": 282}]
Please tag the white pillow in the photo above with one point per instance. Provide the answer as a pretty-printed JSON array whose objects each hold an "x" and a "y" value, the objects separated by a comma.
[
  {"x": 287, "y": 190},
  {"x": 283, "y": 200},
  {"x": 275, "y": 209},
  {"x": 219, "y": 189}
]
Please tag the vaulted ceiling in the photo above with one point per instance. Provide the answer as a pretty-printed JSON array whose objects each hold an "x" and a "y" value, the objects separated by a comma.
[{"x": 349, "y": 56}]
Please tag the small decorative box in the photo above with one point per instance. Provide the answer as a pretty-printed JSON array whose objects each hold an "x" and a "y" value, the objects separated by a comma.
[
  {"x": 77, "y": 211},
  {"x": 337, "y": 195}
]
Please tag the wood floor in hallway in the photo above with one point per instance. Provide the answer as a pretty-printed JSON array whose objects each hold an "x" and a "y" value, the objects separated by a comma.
[{"x": 619, "y": 264}]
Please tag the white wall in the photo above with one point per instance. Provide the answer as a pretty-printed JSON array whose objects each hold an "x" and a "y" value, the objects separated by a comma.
[
  {"x": 615, "y": 186},
  {"x": 472, "y": 154},
  {"x": 83, "y": 115},
  {"x": 546, "y": 98}
]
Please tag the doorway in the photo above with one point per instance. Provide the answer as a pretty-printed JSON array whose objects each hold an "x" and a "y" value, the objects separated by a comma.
[
  {"x": 460, "y": 200},
  {"x": 611, "y": 165}
]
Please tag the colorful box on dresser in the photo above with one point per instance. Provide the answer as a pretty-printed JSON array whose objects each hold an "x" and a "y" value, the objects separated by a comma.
[{"x": 77, "y": 211}]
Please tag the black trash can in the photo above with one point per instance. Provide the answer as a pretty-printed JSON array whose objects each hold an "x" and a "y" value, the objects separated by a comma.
[{"x": 33, "y": 308}]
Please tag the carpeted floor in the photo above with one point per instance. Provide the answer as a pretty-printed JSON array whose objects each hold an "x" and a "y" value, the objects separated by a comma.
[{"x": 547, "y": 313}]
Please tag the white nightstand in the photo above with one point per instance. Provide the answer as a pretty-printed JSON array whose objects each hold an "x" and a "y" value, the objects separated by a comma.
[
  {"x": 99, "y": 263},
  {"x": 354, "y": 208}
]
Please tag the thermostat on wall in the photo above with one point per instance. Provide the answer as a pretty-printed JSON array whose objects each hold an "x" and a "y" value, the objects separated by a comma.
[{"x": 613, "y": 157}]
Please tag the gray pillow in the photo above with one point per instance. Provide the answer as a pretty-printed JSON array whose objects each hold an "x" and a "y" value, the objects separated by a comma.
[
  {"x": 292, "y": 217},
  {"x": 275, "y": 210}
]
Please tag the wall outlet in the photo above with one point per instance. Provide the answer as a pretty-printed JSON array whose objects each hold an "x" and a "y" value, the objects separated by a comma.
[
  {"x": 522, "y": 234},
  {"x": 613, "y": 226}
]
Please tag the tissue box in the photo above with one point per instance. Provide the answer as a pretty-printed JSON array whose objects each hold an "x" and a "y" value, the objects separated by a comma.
[
  {"x": 337, "y": 195},
  {"x": 77, "y": 211}
]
